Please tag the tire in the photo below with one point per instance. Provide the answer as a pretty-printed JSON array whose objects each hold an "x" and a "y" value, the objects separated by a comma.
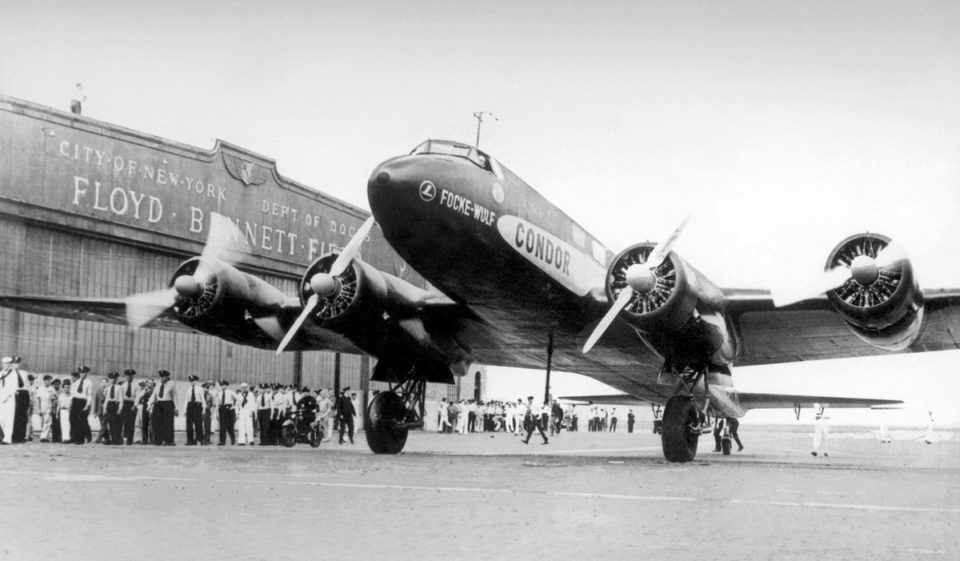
[
  {"x": 288, "y": 435},
  {"x": 678, "y": 441},
  {"x": 725, "y": 446},
  {"x": 382, "y": 434}
]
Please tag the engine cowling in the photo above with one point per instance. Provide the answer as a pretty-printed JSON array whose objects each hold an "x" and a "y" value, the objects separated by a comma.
[
  {"x": 351, "y": 296},
  {"x": 211, "y": 290},
  {"x": 670, "y": 300},
  {"x": 883, "y": 305}
]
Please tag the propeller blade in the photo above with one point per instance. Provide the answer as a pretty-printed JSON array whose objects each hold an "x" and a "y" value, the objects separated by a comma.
[
  {"x": 622, "y": 300},
  {"x": 663, "y": 248},
  {"x": 352, "y": 249},
  {"x": 891, "y": 255},
  {"x": 144, "y": 307},
  {"x": 834, "y": 278},
  {"x": 311, "y": 304},
  {"x": 225, "y": 241}
]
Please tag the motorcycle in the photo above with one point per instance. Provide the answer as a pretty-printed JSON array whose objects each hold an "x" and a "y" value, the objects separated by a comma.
[{"x": 302, "y": 427}]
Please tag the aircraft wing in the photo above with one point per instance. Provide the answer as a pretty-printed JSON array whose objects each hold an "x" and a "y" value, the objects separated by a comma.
[
  {"x": 750, "y": 400},
  {"x": 782, "y": 401},
  {"x": 811, "y": 330},
  {"x": 105, "y": 310}
]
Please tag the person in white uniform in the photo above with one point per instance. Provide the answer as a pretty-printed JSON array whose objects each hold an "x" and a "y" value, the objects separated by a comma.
[
  {"x": 8, "y": 405},
  {"x": 63, "y": 403},
  {"x": 821, "y": 431},
  {"x": 246, "y": 412},
  {"x": 45, "y": 401}
]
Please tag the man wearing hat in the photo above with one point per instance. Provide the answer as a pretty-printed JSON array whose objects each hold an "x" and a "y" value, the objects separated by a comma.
[
  {"x": 163, "y": 410},
  {"x": 128, "y": 409},
  {"x": 143, "y": 401},
  {"x": 345, "y": 414},
  {"x": 246, "y": 411},
  {"x": 195, "y": 406},
  {"x": 80, "y": 402},
  {"x": 56, "y": 435},
  {"x": 8, "y": 404},
  {"x": 112, "y": 401},
  {"x": 207, "y": 411},
  {"x": 226, "y": 415}
]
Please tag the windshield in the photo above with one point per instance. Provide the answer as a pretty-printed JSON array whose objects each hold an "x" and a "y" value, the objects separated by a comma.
[{"x": 460, "y": 150}]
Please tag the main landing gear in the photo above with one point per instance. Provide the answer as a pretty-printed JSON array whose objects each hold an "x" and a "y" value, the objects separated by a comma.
[
  {"x": 392, "y": 413},
  {"x": 683, "y": 421}
]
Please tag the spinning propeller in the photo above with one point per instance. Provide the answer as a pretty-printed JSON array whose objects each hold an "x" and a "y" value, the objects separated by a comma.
[
  {"x": 225, "y": 243},
  {"x": 870, "y": 266},
  {"x": 641, "y": 278},
  {"x": 327, "y": 286}
]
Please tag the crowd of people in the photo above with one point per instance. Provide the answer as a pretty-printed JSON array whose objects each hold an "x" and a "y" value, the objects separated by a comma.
[
  {"x": 142, "y": 411},
  {"x": 522, "y": 417}
]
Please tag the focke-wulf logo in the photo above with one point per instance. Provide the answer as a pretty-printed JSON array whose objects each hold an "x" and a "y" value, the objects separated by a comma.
[{"x": 249, "y": 173}]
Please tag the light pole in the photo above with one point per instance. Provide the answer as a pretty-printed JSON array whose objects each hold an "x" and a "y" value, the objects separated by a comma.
[{"x": 479, "y": 115}]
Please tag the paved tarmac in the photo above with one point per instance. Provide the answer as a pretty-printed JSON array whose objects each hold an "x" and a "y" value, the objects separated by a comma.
[{"x": 584, "y": 496}]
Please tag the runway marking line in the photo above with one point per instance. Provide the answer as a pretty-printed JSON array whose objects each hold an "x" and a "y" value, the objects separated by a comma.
[{"x": 68, "y": 477}]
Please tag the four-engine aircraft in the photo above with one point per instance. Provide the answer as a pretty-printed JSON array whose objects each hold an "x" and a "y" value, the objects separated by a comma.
[{"x": 519, "y": 283}]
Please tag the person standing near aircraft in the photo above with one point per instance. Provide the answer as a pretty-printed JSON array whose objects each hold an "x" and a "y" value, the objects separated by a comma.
[
  {"x": 64, "y": 399},
  {"x": 44, "y": 402},
  {"x": 613, "y": 419},
  {"x": 734, "y": 424},
  {"x": 631, "y": 419},
  {"x": 128, "y": 409},
  {"x": 324, "y": 410},
  {"x": 929, "y": 436},
  {"x": 226, "y": 414},
  {"x": 263, "y": 414},
  {"x": 164, "y": 409},
  {"x": 21, "y": 415},
  {"x": 532, "y": 419},
  {"x": 143, "y": 400},
  {"x": 194, "y": 408},
  {"x": 80, "y": 403},
  {"x": 112, "y": 402},
  {"x": 718, "y": 425},
  {"x": 208, "y": 411},
  {"x": 246, "y": 412},
  {"x": 821, "y": 431},
  {"x": 345, "y": 413},
  {"x": 8, "y": 404}
]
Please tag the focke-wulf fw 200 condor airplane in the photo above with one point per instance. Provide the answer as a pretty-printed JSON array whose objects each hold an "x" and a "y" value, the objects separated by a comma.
[{"x": 519, "y": 283}]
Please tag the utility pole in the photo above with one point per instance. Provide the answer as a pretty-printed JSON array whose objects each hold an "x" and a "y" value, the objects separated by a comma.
[{"x": 479, "y": 115}]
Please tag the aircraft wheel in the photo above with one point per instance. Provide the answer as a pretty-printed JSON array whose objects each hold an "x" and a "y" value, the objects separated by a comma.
[
  {"x": 678, "y": 436},
  {"x": 382, "y": 433}
]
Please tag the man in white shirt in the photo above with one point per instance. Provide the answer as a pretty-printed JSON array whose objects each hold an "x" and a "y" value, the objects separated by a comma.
[
  {"x": 533, "y": 417},
  {"x": 81, "y": 399},
  {"x": 112, "y": 402},
  {"x": 195, "y": 406},
  {"x": 8, "y": 392},
  {"x": 821, "y": 431}
]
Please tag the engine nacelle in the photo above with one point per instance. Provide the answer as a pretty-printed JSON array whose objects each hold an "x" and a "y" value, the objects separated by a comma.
[
  {"x": 882, "y": 305},
  {"x": 209, "y": 290},
  {"x": 671, "y": 300},
  {"x": 358, "y": 289}
]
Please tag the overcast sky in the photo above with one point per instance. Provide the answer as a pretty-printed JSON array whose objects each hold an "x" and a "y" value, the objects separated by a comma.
[{"x": 781, "y": 126}]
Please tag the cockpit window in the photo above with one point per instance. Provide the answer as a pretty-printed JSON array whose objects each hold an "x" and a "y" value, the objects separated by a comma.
[{"x": 450, "y": 148}]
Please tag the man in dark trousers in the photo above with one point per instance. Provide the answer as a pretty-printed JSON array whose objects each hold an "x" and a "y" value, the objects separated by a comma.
[
  {"x": 734, "y": 424},
  {"x": 345, "y": 414},
  {"x": 128, "y": 409},
  {"x": 163, "y": 401},
  {"x": 194, "y": 408},
  {"x": 146, "y": 391},
  {"x": 264, "y": 412},
  {"x": 112, "y": 401},
  {"x": 532, "y": 419},
  {"x": 208, "y": 387},
  {"x": 631, "y": 419},
  {"x": 226, "y": 413},
  {"x": 717, "y": 432},
  {"x": 21, "y": 414},
  {"x": 80, "y": 402}
]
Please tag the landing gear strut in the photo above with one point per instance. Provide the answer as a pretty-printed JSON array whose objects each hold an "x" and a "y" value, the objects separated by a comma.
[
  {"x": 683, "y": 421},
  {"x": 392, "y": 413}
]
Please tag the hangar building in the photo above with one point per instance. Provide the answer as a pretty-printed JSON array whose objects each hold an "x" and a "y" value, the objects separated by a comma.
[{"x": 92, "y": 209}]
